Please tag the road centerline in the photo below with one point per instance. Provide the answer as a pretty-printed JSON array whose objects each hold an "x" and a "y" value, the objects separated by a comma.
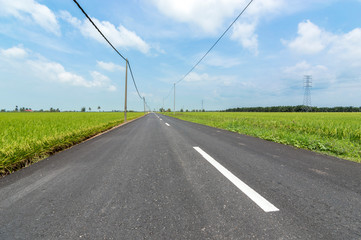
[
  {"x": 167, "y": 124},
  {"x": 252, "y": 194}
]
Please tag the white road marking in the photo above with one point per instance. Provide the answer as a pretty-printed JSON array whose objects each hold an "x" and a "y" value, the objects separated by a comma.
[
  {"x": 167, "y": 124},
  {"x": 156, "y": 115},
  {"x": 253, "y": 195},
  {"x": 160, "y": 119}
]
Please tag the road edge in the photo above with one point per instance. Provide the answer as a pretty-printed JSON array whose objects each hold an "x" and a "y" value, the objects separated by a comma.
[{"x": 29, "y": 162}]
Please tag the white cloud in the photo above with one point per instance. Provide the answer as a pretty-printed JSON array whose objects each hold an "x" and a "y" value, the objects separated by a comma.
[
  {"x": 313, "y": 40},
  {"x": 157, "y": 47},
  {"x": 244, "y": 30},
  {"x": 110, "y": 66},
  {"x": 118, "y": 36},
  {"x": 310, "y": 40},
  {"x": 42, "y": 68},
  {"x": 323, "y": 77},
  {"x": 57, "y": 73},
  {"x": 195, "y": 77},
  {"x": 334, "y": 61},
  {"x": 244, "y": 33},
  {"x": 100, "y": 80},
  {"x": 30, "y": 10},
  {"x": 14, "y": 52},
  {"x": 216, "y": 60},
  {"x": 205, "y": 79},
  {"x": 305, "y": 68},
  {"x": 347, "y": 47},
  {"x": 211, "y": 17},
  {"x": 268, "y": 7},
  {"x": 207, "y": 15}
]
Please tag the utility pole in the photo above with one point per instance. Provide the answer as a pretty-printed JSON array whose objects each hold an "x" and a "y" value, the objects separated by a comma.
[
  {"x": 307, "y": 85},
  {"x": 174, "y": 100},
  {"x": 202, "y": 105},
  {"x": 126, "y": 81},
  {"x": 144, "y": 104}
]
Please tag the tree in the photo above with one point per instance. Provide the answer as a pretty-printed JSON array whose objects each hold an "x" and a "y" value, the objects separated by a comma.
[
  {"x": 169, "y": 110},
  {"x": 83, "y": 109},
  {"x": 16, "y": 109},
  {"x": 181, "y": 110},
  {"x": 161, "y": 110},
  {"x": 90, "y": 109},
  {"x": 99, "y": 108}
]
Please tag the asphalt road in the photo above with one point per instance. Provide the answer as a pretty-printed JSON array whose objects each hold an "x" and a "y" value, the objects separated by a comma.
[{"x": 163, "y": 178}]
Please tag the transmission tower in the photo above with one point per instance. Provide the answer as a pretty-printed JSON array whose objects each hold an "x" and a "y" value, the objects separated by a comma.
[{"x": 307, "y": 85}]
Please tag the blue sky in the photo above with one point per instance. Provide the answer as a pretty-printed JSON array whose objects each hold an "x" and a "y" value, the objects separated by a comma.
[{"x": 50, "y": 55}]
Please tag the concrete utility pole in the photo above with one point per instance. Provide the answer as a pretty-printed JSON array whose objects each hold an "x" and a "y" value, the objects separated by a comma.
[
  {"x": 126, "y": 82},
  {"x": 144, "y": 104},
  {"x": 174, "y": 100}
]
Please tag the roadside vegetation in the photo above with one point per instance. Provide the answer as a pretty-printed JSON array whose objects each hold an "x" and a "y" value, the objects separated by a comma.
[
  {"x": 336, "y": 134},
  {"x": 26, "y": 138}
]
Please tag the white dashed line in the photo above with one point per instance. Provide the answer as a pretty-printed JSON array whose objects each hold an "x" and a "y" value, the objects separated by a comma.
[
  {"x": 253, "y": 195},
  {"x": 167, "y": 124}
]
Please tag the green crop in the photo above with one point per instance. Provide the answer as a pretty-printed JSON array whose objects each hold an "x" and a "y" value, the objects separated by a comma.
[
  {"x": 28, "y": 137},
  {"x": 336, "y": 134}
]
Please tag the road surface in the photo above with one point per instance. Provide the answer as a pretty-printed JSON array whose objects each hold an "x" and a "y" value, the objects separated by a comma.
[{"x": 163, "y": 178}]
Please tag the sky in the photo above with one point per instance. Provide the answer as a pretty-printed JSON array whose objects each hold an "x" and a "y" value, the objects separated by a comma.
[{"x": 51, "y": 56}]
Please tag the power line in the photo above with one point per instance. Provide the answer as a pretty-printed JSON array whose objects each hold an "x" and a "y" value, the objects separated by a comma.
[
  {"x": 99, "y": 30},
  {"x": 131, "y": 72},
  {"x": 200, "y": 60},
  {"x": 135, "y": 85},
  {"x": 170, "y": 91},
  {"x": 210, "y": 49}
]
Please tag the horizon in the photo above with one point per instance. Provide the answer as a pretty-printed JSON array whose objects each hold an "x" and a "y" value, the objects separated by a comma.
[{"x": 26, "y": 109}]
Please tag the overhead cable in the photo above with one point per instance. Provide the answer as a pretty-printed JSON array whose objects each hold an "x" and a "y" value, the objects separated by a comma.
[
  {"x": 170, "y": 91},
  {"x": 200, "y": 60},
  {"x": 98, "y": 29},
  {"x": 131, "y": 72},
  {"x": 135, "y": 85}
]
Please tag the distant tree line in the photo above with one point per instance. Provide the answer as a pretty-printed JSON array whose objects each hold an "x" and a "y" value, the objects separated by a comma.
[
  {"x": 181, "y": 110},
  {"x": 26, "y": 109},
  {"x": 299, "y": 108}
]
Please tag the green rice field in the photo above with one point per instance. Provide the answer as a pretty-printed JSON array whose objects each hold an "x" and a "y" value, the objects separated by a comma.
[
  {"x": 28, "y": 137},
  {"x": 336, "y": 134}
]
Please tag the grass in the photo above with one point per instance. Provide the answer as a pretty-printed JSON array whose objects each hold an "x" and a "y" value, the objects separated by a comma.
[
  {"x": 26, "y": 138},
  {"x": 336, "y": 134}
]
